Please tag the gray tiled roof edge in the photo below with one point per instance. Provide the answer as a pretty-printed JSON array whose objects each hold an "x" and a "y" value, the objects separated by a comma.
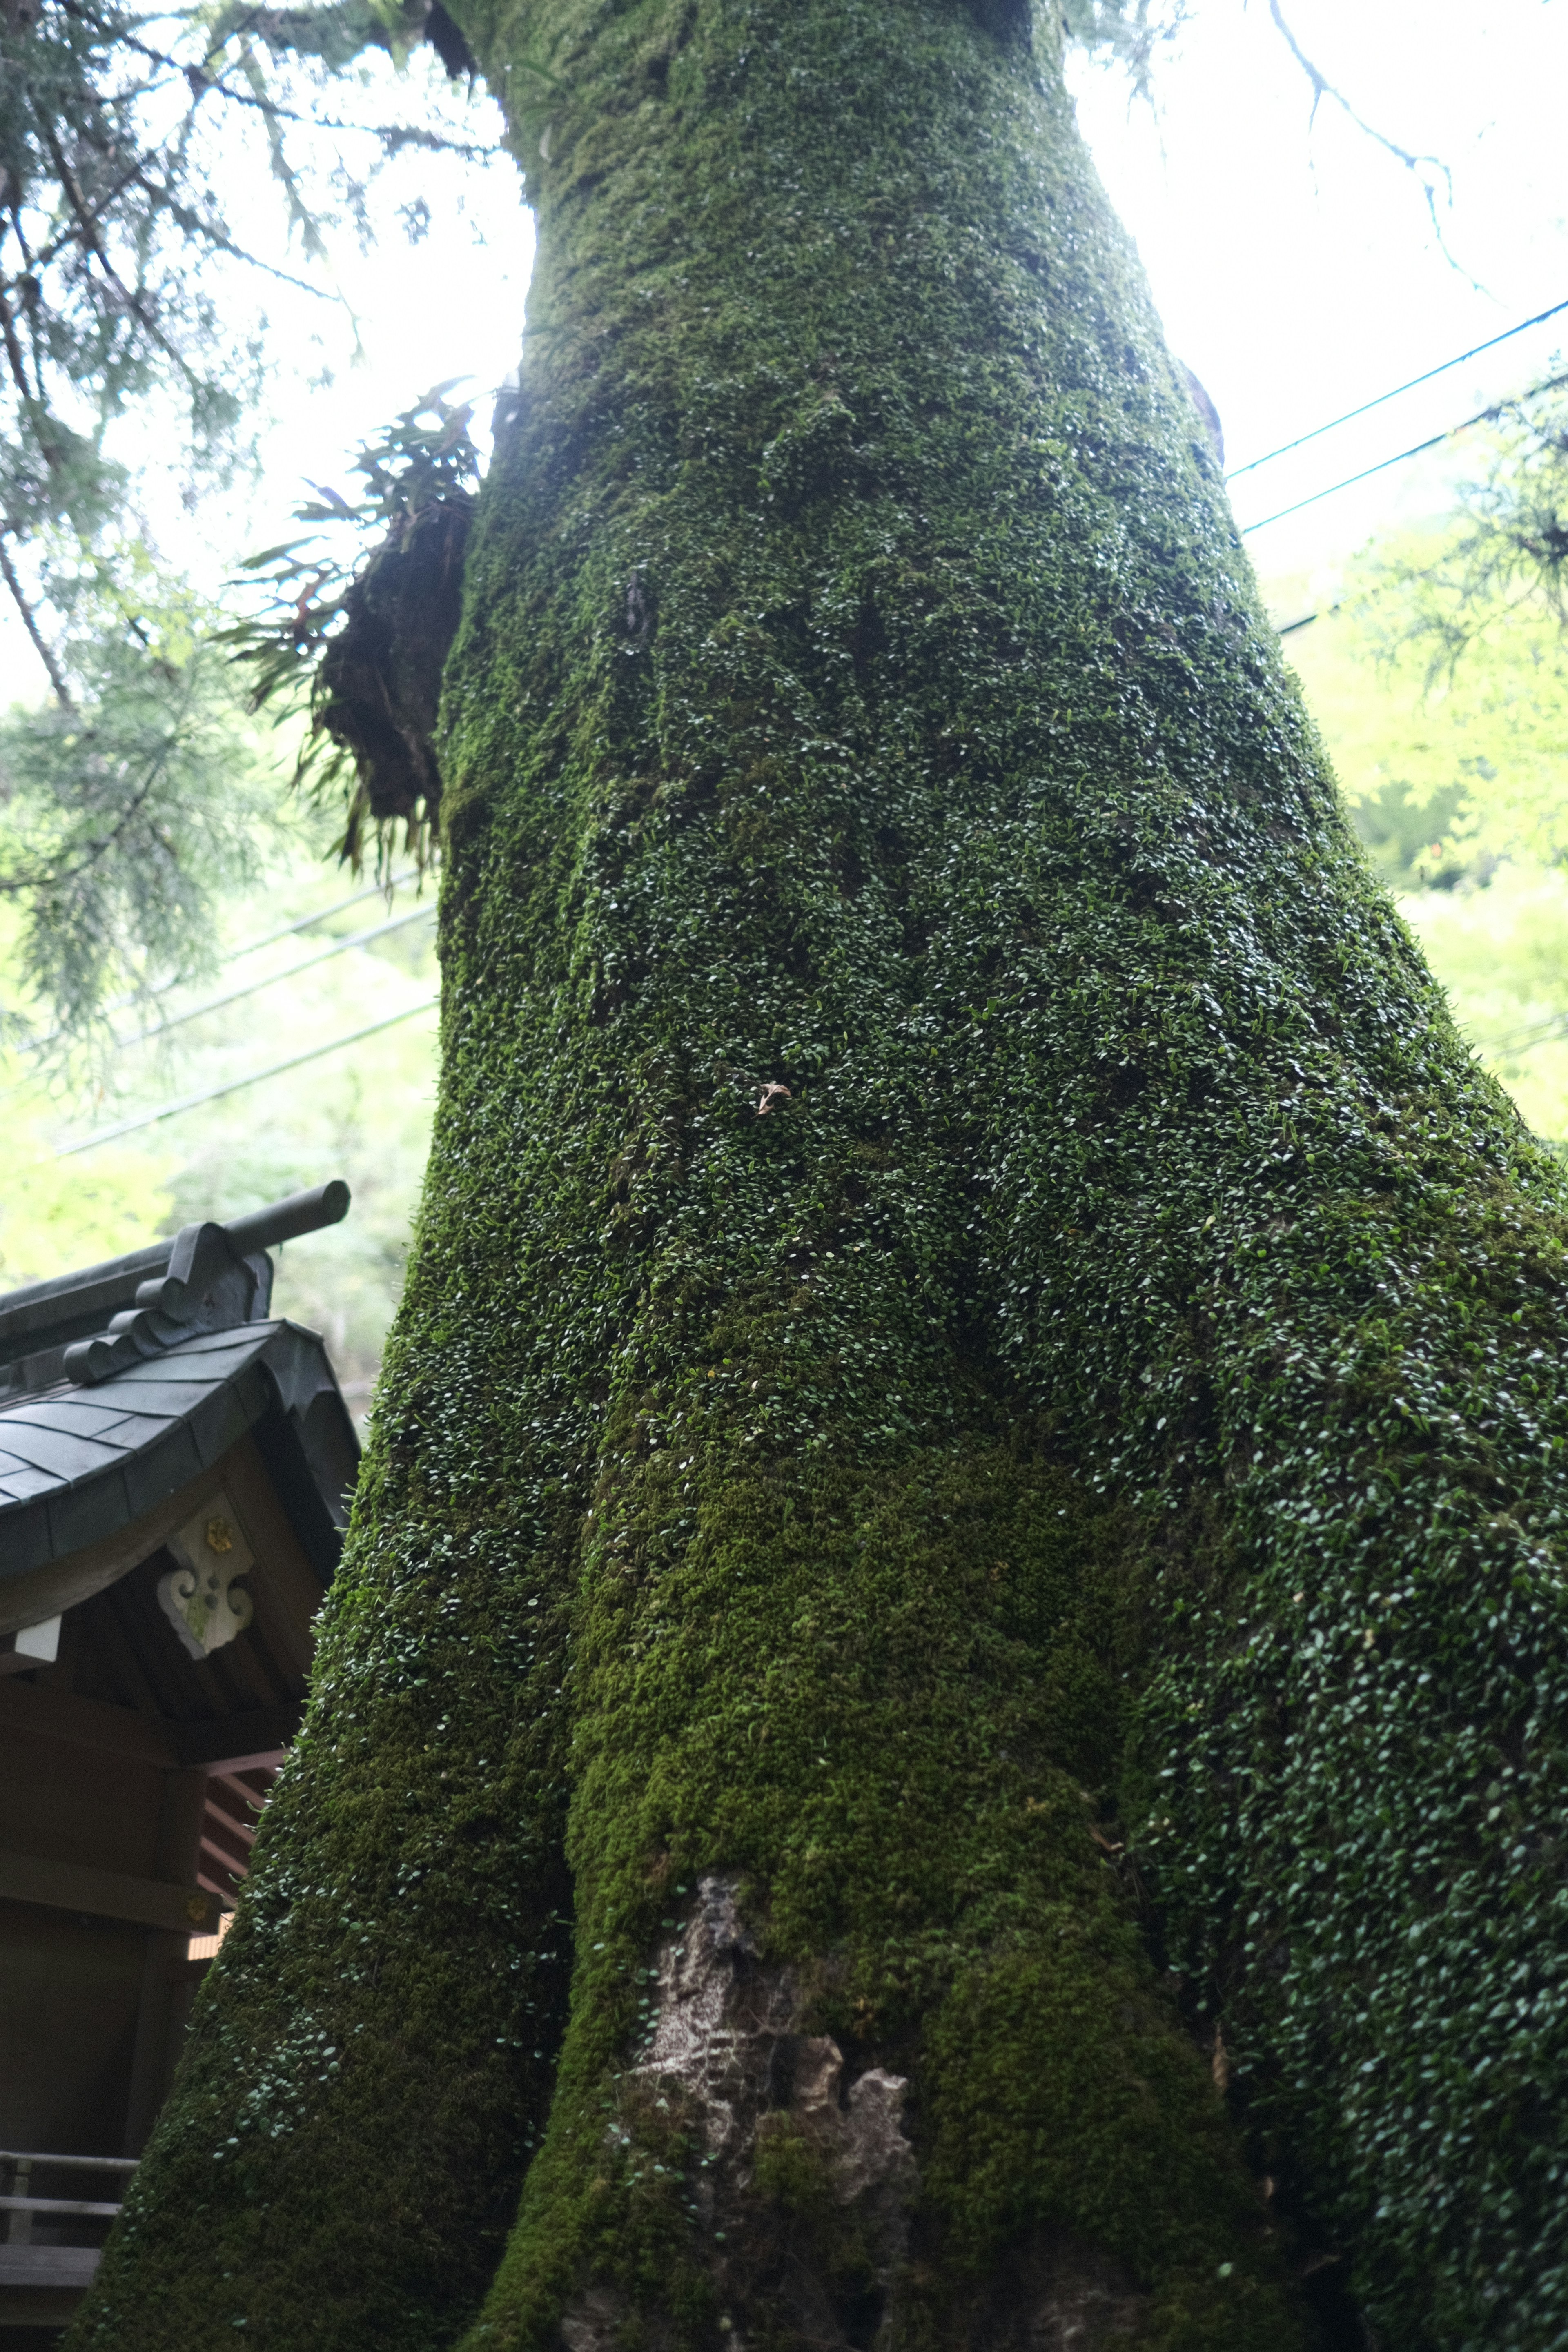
[{"x": 224, "y": 1383}]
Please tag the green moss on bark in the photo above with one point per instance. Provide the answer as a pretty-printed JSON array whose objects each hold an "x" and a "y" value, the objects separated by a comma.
[
  {"x": 876, "y": 1696},
  {"x": 1137, "y": 1323}
]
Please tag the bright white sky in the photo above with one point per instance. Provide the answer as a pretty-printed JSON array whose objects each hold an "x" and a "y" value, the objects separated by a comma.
[{"x": 1294, "y": 264}]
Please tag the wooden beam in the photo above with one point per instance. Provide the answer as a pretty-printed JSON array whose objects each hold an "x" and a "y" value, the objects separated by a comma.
[
  {"x": 87, "y": 1723},
  {"x": 69, "y": 2163},
  {"x": 288, "y": 1595},
  {"x": 239, "y": 1743},
  {"x": 226, "y": 1851},
  {"x": 237, "y": 1837},
  {"x": 41, "y": 2267},
  {"x": 252, "y": 1741},
  {"x": 175, "y": 1860},
  {"x": 115, "y": 1646},
  {"x": 57, "y": 2205},
  {"x": 106, "y": 1895},
  {"x": 231, "y": 1802},
  {"x": 226, "y": 1837}
]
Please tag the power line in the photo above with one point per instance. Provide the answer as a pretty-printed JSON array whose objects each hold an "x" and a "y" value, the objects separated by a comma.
[
  {"x": 1367, "y": 405},
  {"x": 306, "y": 922},
  {"x": 235, "y": 955},
  {"x": 1541, "y": 1033},
  {"x": 308, "y": 963},
  {"x": 252, "y": 1078},
  {"x": 1482, "y": 417}
]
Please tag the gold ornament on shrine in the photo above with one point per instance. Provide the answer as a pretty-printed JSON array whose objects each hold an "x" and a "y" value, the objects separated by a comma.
[{"x": 201, "y": 1597}]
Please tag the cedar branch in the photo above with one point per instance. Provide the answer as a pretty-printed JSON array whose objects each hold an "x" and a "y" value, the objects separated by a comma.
[{"x": 40, "y": 643}]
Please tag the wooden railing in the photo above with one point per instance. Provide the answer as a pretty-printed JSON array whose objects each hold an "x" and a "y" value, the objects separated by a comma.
[{"x": 53, "y": 2242}]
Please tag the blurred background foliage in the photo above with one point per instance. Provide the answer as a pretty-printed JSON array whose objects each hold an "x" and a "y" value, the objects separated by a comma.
[
  {"x": 1437, "y": 669},
  {"x": 1448, "y": 768}
]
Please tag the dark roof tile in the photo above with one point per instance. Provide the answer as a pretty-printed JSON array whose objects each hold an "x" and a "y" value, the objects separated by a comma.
[
  {"x": 78, "y": 1464},
  {"x": 70, "y": 1457},
  {"x": 20, "y": 1480},
  {"x": 75, "y": 1409},
  {"x": 163, "y": 1468}
]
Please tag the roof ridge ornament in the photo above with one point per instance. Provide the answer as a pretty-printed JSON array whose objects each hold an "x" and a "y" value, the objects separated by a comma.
[
  {"x": 208, "y": 1288},
  {"x": 210, "y": 1277}
]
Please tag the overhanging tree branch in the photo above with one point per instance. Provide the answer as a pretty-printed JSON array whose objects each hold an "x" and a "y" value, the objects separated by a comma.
[
  {"x": 119, "y": 134},
  {"x": 41, "y": 646},
  {"x": 12, "y": 349},
  {"x": 1426, "y": 170}
]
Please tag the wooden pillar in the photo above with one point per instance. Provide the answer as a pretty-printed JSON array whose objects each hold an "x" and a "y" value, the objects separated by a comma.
[{"x": 164, "y": 2001}]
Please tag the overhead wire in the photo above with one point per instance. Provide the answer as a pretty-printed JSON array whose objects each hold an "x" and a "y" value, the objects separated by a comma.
[
  {"x": 1482, "y": 417},
  {"x": 306, "y": 922},
  {"x": 233, "y": 1085},
  {"x": 1540, "y": 1032},
  {"x": 235, "y": 955},
  {"x": 1368, "y": 406},
  {"x": 273, "y": 979}
]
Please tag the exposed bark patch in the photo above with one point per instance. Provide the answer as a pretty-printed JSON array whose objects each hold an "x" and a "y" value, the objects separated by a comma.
[
  {"x": 813, "y": 2183},
  {"x": 720, "y": 2017},
  {"x": 597, "y": 2321},
  {"x": 726, "y": 2033},
  {"x": 809, "y": 2178}
]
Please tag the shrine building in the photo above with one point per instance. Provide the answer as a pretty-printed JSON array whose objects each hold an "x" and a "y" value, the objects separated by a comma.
[{"x": 174, "y": 1473}]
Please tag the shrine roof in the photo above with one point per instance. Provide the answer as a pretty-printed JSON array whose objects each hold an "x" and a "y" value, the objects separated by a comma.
[{"x": 103, "y": 1423}]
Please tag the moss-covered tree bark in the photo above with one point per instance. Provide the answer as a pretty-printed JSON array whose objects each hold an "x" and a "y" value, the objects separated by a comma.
[{"x": 963, "y": 1537}]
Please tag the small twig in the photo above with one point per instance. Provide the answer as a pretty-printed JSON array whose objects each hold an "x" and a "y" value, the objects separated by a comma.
[
  {"x": 409, "y": 135},
  {"x": 1422, "y": 167},
  {"x": 95, "y": 246},
  {"x": 132, "y": 176},
  {"x": 194, "y": 227},
  {"x": 40, "y": 643},
  {"x": 87, "y": 224},
  {"x": 299, "y": 212},
  {"x": 13, "y": 348},
  {"x": 30, "y": 267}
]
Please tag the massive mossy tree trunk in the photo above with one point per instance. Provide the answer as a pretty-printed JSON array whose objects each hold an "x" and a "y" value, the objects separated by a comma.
[{"x": 898, "y": 1630}]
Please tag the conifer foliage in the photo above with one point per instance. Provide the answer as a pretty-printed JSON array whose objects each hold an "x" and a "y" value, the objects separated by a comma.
[{"x": 128, "y": 292}]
